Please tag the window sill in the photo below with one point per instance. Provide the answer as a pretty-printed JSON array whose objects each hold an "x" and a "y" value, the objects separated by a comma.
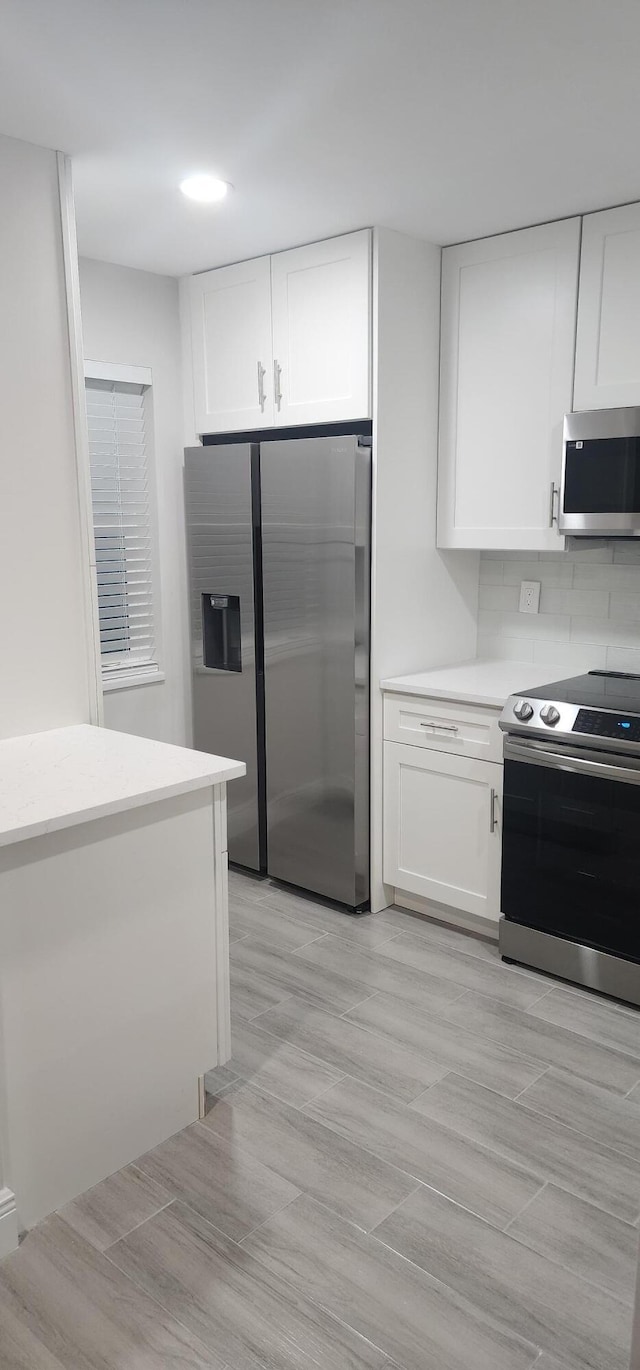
[{"x": 131, "y": 680}]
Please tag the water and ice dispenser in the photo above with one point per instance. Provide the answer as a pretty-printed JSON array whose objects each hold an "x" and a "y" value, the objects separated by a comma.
[{"x": 221, "y": 632}]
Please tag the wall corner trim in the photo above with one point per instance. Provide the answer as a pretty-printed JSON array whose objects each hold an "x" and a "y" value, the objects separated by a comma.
[{"x": 76, "y": 361}]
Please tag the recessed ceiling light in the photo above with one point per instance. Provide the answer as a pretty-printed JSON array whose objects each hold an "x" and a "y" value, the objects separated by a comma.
[{"x": 206, "y": 189}]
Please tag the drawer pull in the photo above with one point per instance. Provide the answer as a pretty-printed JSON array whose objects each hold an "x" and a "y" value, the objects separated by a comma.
[
  {"x": 277, "y": 385},
  {"x": 442, "y": 727},
  {"x": 493, "y": 822},
  {"x": 262, "y": 398}
]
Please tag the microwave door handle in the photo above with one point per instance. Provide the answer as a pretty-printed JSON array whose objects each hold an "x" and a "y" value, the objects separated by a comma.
[
  {"x": 627, "y": 770},
  {"x": 554, "y": 504}
]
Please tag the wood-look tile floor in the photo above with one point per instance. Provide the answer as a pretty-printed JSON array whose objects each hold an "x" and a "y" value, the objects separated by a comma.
[{"x": 417, "y": 1157}]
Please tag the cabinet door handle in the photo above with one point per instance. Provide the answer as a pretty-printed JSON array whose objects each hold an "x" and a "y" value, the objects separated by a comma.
[
  {"x": 554, "y": 503},
  {"x": 277, "y": 390},
  {"x": 493, "y": 820},
  {"x": 442, "y": 727},
  {"x": 262, "y": 399}
]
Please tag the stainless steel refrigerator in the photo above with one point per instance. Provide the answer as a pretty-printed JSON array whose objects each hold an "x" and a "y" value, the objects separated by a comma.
[{"x": 278, "y": 536}]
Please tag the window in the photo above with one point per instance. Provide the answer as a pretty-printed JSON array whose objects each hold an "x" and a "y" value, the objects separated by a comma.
[{"x": 124, "y": 526}]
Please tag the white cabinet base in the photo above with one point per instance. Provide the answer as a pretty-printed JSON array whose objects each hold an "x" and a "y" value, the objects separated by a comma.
[
  {"x": 444, "y": 913},
  {"x": 111, "y": 968},
  {"x": 442, "y": 827}
]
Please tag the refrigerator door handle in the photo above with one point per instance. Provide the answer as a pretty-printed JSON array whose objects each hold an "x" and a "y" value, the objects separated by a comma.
[{"x": 277, "y": 388}]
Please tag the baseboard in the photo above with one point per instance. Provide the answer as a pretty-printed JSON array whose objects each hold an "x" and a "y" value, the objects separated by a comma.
[
  {"x": 442, "y": 913},
  {"x": 8, "y": 1222}
]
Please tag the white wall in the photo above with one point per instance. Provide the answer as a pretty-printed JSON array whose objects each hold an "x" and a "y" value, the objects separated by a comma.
[
  {"x": 589, "y": 607},
  {"x": 424, "y": 601},
  {"x": 132, "y": 317},
  {"x": 44, "y": 637},
  {"x": 47, "y": 662}
]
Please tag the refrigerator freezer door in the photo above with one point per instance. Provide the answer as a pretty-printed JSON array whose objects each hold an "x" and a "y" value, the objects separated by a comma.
[
  {"x": 220, "y": 544},
  {"x": 315, "y": 540}
]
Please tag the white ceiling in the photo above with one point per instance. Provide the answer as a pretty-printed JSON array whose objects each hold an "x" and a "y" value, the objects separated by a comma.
[{"x": 445, "y": 118}]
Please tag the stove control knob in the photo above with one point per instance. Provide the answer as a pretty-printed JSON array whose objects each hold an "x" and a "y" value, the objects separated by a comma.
[
  {"x": 550, "y": 715},
  {"x": 523, "y": 710}
]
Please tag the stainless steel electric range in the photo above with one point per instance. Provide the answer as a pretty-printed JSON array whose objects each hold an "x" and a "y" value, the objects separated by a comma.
[{"x": 571, "y": 831}]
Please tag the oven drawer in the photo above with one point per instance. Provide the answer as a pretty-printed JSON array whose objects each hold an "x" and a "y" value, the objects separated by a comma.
[{"x": 443, "y": 726}]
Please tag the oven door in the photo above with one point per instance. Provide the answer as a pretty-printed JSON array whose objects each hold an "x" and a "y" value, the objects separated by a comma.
[{"x": 571, "y": 845}]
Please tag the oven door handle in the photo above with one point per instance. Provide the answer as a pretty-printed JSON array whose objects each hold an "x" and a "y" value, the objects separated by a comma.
[{"x": 625, "y": 769}]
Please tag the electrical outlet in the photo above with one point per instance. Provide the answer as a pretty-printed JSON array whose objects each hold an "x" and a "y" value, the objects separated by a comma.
[{"x": 529, "y": 597}]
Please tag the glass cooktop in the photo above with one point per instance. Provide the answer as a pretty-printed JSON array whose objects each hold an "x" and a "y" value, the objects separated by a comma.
[{"x": 615, "y": 690}]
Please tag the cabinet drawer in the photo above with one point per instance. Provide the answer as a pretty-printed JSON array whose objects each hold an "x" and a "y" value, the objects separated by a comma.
[{"x": 443, "y": 725}]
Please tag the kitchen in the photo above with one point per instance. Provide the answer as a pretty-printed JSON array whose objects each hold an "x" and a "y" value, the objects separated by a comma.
[{"x": 425, "y": 1096}]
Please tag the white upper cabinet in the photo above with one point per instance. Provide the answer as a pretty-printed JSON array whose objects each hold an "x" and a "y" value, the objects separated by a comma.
[
  {"x": 231, "y": 347},
  {"x": 507, "y": 355},
  {"x": 285, "y": 339},
  {"x": 608, "y": 338},
  {"x": 321, "y": 330}
]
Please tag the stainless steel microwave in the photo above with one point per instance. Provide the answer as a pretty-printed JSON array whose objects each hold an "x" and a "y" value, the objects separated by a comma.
[{"x": 600, "y": 488}]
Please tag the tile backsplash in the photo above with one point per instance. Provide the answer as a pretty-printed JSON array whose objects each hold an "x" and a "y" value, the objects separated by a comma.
[{"x": 589, "y": 607}]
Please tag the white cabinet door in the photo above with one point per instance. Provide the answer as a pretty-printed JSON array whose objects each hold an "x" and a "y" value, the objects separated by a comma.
[
  {"x": 442, "y": 827},
  {"x": 507, "y": 354},
  {"x": 608, "y": 337},
  {"x": 321, "y": 330},
  {"x": 231, "y": 346}
]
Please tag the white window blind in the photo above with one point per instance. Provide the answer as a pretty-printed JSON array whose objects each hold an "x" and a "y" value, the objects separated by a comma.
[{"x": 123, "y": 527}]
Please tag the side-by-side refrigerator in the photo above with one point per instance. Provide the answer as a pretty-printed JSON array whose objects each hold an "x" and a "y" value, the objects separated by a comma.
[{"x": 278, "y": 535}]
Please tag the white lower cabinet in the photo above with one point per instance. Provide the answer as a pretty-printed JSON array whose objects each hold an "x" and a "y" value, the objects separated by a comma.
[{"x": 443, "y": 827}]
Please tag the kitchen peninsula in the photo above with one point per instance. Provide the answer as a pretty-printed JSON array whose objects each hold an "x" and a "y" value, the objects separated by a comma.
[{"x": 114, "y": 981}]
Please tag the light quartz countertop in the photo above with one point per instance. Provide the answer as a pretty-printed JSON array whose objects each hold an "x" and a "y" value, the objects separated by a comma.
[
  {"x": 476, "y": 682},
  {"x": 66, "y": 776}
]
